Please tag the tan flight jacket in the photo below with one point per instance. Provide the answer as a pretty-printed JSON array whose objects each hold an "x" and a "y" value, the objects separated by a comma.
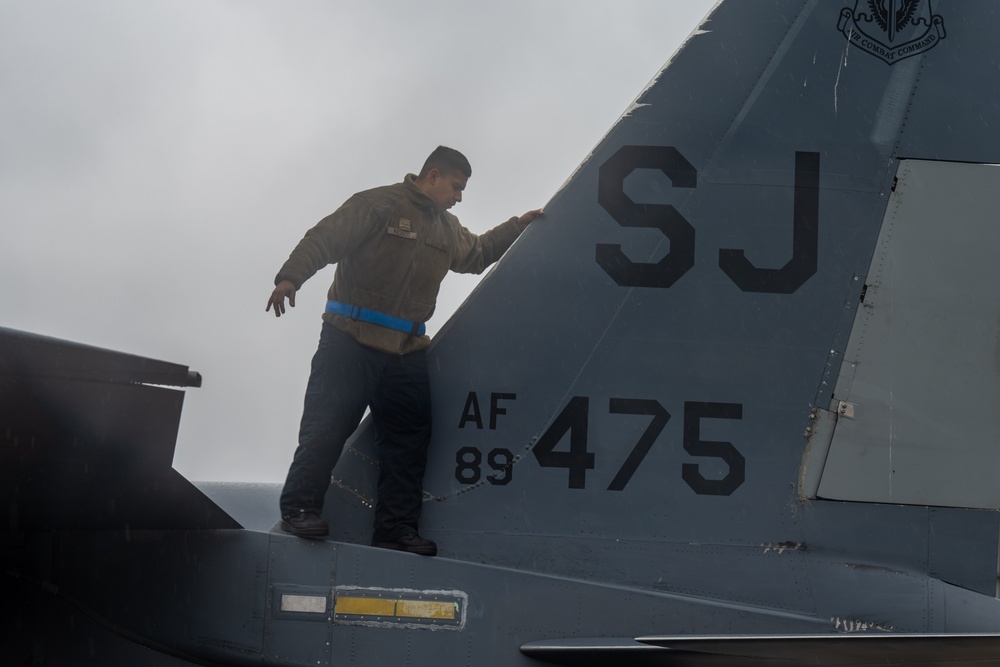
[{"x": 392, "y": 249}]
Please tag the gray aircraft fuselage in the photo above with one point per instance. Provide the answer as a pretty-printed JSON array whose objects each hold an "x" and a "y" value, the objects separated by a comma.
[{"x": 732, "y": 401}]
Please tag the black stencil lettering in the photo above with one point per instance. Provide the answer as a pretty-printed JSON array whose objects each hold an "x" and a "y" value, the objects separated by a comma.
[
  {"x": 611, "y": 195},
  {"x": 470, "y": 413},
  {"x": 694, "y": 412},
  {"x": 638, "y": 407},
  {"x": 805, "y": 240},
  {"x": 506, "y": 467},
  {"x": 495, "y": 410},
  {"x": 577, "y": 460},
  {"x": 467, "y": 460}
]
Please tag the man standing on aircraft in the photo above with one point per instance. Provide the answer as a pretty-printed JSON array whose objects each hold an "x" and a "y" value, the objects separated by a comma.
[{"x": 393, "y": 246}]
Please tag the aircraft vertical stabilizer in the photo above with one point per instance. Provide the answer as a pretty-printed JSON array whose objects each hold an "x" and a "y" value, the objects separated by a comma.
[{"x": 704, "y": 345}]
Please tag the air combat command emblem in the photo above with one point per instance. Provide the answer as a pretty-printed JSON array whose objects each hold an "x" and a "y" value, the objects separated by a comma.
[{"x": 892, "y": 29}]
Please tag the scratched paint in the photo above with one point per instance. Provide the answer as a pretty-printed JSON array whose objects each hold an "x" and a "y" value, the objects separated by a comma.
[
  {"x": 854, "y": 625},
  {"x": 782, "y": 547}
]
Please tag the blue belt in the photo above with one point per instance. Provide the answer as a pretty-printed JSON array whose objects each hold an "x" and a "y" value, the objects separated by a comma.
[{"x": 375, "y": 317}]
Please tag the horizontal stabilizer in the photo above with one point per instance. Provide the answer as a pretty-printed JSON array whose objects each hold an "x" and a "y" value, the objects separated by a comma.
[
  {"x": 88, "y": 439},
  {"x": 28, "y": 354},
  {"x": 792, "y": 650},
  {"x": 842, "y": 649},
  {"x": 598, "y": 652}
]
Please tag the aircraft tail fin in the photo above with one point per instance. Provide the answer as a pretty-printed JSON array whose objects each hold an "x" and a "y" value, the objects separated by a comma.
[{"x": 768, "y": 290}]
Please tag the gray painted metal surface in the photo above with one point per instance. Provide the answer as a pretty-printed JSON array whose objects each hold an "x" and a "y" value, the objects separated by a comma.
[
  {"x": 922, "y": 371},
  {"x": 638, "y": 425}
]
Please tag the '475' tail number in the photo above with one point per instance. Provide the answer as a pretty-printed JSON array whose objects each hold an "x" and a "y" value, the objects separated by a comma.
[{"x": 577, "y": 459}]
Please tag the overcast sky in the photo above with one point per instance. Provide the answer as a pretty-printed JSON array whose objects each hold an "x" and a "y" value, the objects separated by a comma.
[{"x": 160, "y": 159}]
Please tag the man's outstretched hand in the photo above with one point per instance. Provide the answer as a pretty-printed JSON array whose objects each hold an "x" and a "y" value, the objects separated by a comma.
[
  {"x": 283, "y": 289},
  {"x": 526, "y": 219}
]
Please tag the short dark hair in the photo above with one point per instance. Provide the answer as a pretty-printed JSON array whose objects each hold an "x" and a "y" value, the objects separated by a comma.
[{"x": 446, "y": 160}]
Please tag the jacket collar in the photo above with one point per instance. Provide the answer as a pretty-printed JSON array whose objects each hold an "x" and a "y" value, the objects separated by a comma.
[{"x": 418, "y": 196}]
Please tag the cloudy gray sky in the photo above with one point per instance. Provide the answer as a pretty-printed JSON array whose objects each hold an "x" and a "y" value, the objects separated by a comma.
[{"x": 160, "y": 159}]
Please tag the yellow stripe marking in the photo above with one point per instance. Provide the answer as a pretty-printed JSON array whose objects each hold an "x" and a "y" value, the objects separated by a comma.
[
  {"x": 365, "y": 606},
  {"x": 400, "y": 608}
]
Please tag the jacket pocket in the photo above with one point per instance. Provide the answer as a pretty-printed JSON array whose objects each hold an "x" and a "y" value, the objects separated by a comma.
[
  {"x": 432, "y": 266},
  {"x": 439, "y": 244}
]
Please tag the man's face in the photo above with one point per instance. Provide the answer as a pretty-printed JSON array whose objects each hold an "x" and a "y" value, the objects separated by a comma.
[{"x": 446, "y": 188}]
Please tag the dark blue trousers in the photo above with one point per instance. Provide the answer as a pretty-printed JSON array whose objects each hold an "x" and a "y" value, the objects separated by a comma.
[{"x": 346, "y": 378}]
